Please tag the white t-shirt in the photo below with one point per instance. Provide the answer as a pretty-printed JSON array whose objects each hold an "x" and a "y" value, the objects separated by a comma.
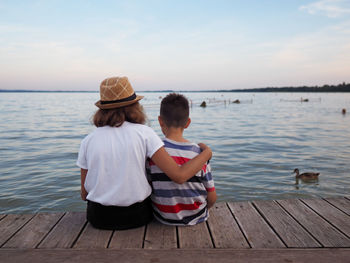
[{"x": 115, "y": 158}]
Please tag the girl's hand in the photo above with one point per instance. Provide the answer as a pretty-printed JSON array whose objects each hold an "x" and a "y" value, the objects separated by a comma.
[
  {"x": 205, "y": 147},
  {"x": 83, "y": 194},
  {"x": 202, "y": 146}
]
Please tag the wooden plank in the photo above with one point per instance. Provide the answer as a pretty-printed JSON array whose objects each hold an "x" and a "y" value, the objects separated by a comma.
[
  {"x": 2, "y": 216},
  {"x": 11, "y": 224},
  {"x": 331, "y": 214},
  {"x": 130, "y": 238},
  {"x": 33, "y": 232},
  {"x": 176, "y": 255},
  {"x": 286, "y": 227},
  {"x": 256, "y": 230},
  {"x": 93, "y": 238},
  {"x": 341, "y": 203},
  {"x": 160, "y": 236},
  {"x": 196, "y": 236},
  {"x": 325, "y": 233},
  {"x": 224, "y": 228},
  {"x": 66, "y": 231}
]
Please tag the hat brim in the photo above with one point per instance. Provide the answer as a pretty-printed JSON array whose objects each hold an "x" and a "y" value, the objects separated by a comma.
[{"x": 117, "y": 104}]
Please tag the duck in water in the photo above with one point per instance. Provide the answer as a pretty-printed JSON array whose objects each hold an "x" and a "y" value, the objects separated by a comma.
[{"x": 305, "y": 176}]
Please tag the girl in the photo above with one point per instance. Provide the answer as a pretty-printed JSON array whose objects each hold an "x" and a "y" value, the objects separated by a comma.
[{"x": 112, "y": 160}]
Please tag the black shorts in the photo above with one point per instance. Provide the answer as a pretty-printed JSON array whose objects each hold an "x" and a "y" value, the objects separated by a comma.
[{"x": 119, "y": 217}]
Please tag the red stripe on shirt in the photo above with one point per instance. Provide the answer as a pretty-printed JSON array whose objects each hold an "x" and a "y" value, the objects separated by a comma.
[
  {"x": 180, "y": 160},
  {"x": 177, "y": 208},
  {"x": 212, "y": 189}
]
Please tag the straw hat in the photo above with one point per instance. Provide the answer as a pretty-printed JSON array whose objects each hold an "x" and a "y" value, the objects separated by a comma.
[{"x": 116, "y": 92}]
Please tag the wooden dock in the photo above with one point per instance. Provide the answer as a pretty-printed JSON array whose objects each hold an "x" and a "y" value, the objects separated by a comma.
[{"x": 296, "y": 230}]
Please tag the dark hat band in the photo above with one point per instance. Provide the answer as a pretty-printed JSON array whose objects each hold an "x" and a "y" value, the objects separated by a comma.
[{"x": 132, "y": 97}]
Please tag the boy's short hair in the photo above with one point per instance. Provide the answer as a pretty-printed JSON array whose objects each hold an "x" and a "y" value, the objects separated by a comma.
[{"x": 174, "y": 110}]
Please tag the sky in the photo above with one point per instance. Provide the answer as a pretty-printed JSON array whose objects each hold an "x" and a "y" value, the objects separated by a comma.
[{"x": 174, "y": 45}]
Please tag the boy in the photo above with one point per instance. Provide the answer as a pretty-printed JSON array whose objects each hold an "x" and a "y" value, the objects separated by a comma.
[{"x": 187, "y": 203}]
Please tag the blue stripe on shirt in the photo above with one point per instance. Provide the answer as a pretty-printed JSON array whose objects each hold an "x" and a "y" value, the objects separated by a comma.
[
  {"x": 179, "y": 192},
  {"x": 192, "y": 148},
  {"x": 207, "y": 177}
]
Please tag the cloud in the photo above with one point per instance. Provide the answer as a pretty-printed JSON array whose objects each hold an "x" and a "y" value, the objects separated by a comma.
[
  {"x": 330, "y": 8},
  {"x": 315, "y": 58},
  {"x": 6, "y": 28}
]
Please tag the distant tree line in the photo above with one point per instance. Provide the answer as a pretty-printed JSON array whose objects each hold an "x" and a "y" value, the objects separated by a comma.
[
  {"x": 325, "y": 88},
  {"x": 343, "y": 87}
]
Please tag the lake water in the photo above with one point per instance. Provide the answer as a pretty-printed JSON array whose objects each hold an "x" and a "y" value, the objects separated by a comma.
[{"x": 256, "y": 145}]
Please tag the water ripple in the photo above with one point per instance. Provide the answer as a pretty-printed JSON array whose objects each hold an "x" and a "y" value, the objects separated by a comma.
[{"x": 256, "y": 145}]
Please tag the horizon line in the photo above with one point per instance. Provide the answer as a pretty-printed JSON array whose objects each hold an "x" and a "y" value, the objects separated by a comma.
[{"x": 324, "y": 88}]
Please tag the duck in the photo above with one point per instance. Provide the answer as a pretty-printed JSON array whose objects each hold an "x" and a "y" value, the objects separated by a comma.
[
  {"x": 305, "y": 175},
  {"x": 203, "y": 104}
]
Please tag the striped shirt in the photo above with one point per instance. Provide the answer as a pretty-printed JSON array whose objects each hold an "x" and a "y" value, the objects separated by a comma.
[{"x": 180, "y": 204}]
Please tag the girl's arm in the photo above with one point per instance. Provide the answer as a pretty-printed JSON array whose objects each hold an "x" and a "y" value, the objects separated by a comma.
[
  {"x": 83, "y": 193},
  {"x": 180, "y": 174}
]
